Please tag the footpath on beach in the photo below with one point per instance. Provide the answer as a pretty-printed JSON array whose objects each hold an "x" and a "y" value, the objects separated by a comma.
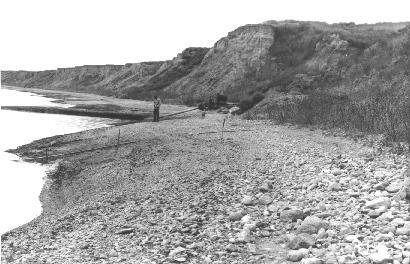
[{"x": 183, "y": 193}]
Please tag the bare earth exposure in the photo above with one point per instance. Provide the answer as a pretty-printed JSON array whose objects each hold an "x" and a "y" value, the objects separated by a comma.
[{"x": 180, "y": 193}]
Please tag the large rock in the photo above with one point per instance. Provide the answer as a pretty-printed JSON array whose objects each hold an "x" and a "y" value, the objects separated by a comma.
[
  {"x": 311, "y": 225},
  {"x": 291, "y": 215},
  {"x": 234, "y": 110},
  {"x": 176, "y": 251},
  {"x": 393, "y": 187},
  {"x": 297, "y": 255},
  {"x": 237, "y": 215},
  {"x": 405, "y": 230},
  {"x": 125, "y": 231},
  {"x": 335, "y": 186},
  {"x": 382, "y": 256},
  {"x": 247, "y": 200},
  {"x": 265, "y": 199},
  {"x": 301, "y": 241},
  {"x": 245, "y": 235},
  {"x": 330, "y": 258},
  {"x": 265, "y": 186},
  {"x": 379, "y": 202},
  {"x": 311, "y": 261}
]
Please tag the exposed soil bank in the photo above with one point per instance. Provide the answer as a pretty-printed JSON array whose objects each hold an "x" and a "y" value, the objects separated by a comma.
[{"x": 178, "y": 195}]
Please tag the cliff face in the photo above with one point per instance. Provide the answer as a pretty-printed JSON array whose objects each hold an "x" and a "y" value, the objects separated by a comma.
[
  {"x": 100, "y": 79},
  {"x": 135, "y": 80},
  {"x": 270, "y": 58},
  {"x": 233, "y": 62},
  {"x": 297, "y": 57},
  {"x": 168, "y": 73}
]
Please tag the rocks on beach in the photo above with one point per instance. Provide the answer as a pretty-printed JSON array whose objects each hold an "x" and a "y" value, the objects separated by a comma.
[{"x": 174, "y": 198}]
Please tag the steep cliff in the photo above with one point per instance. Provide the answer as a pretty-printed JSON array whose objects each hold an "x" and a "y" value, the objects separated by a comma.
[
  {"x": 272, "y": 58},
  {"x": 295, "y": 57},
  {"x": 135, "y": 80},
  {"x": 100, "y": 79},
  {"x": 168, "y": 73}
]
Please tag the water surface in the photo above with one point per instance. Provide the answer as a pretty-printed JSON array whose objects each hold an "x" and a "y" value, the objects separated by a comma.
[{"x": 21, "y": 182}]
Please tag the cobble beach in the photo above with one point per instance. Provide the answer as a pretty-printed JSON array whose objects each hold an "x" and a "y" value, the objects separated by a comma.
[{"x": 181, "y": 193}]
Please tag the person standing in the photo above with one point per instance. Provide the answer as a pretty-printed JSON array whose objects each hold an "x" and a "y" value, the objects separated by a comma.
[{"x": 157, "y": 104}]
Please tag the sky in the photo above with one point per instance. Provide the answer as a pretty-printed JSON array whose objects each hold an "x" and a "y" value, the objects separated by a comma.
[{"x": 50, "y": 34}]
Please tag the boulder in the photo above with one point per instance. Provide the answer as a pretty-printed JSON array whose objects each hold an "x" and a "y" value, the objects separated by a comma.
[
  {"x": 265, "y": 199},
  {"x": 265, "y": 186},
  {"x": 125, "y": 231},
  {"x": 311, "y": 225},
  {"x": 291, "y": 215},
  {"x": 301, "y": 241},
  {"x": 297, "y": 255},
  {"x": 405, "y": 230},
  {"x": 176, "y": 251},
  {"x": 311, "y": 261},
  {"x": 236, "y": 216},
  {"x": 247, "y": 200},
  {"x": 382, "y": 256},
  {"x": 393, "y": 187},
  {"x": 330, "y": 258},
  {"x": 335, "y": 186},
  {"x": 232, "y": 248},
  {"x": 234, "y": 110},
  {"x": 244, "y": 236},
  {"x": 381, "y": 186},
  {"x": 378, "y": 202}
]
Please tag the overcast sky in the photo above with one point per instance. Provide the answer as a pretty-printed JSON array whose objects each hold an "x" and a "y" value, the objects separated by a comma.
[{"x": 46, "y": 34}]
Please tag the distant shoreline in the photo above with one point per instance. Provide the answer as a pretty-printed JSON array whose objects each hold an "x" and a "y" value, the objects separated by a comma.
[
  {"x": 78, "y": 112},
  {"x": 92, "y": 105}
]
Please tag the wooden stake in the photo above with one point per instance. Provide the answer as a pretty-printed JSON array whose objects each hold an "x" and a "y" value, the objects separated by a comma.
[
  {"x": 223, "y": 126},
  {"x": 118, "y": 138}
]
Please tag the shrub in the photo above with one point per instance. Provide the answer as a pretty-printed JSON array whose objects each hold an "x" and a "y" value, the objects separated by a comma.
[
  {"x": 381, "y": 112},
  {"x": 245, "y": 104},
  {"x": 256, "y": 98}
]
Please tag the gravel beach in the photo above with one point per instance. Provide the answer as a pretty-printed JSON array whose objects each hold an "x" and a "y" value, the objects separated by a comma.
[{"x": 180, "y": 193}]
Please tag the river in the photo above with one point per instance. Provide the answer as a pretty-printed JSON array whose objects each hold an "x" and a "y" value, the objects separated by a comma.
[{"x": 21, "y": 182}]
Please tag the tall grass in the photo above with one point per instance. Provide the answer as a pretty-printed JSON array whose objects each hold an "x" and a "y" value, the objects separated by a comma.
[{"x": 381, "y": 113}]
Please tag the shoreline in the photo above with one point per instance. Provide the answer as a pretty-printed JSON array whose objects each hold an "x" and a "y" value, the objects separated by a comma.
[
  {"x": 179, "y": 185},
  {"x": 83, "y": 109},
  {"x": 86, "y": 103},
  {"x": 80, "y": 112}
]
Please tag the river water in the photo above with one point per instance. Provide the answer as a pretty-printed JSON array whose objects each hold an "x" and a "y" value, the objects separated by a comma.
[{"x": 21, "y": 182}]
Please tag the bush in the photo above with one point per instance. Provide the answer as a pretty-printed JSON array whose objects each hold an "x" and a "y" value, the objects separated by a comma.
[
  {"x": 249, "y": 102},
  {"x": 382, "y": 112},
  {"x": 245, "y": 104},
  {"x": 256, "y": 98}
]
